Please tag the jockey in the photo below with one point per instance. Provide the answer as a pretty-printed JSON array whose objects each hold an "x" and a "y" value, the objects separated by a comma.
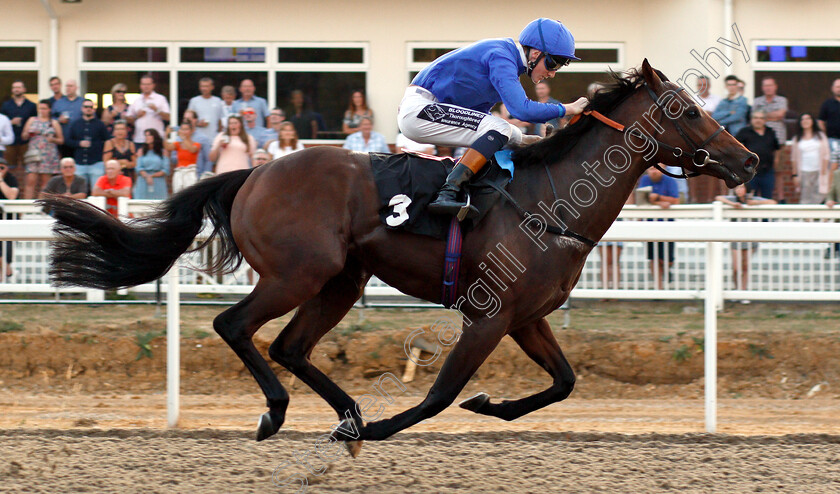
[{"x": 448, "y": 102}]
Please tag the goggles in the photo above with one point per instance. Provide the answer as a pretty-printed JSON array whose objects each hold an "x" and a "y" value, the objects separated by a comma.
[{"x": 555, "y": 62}]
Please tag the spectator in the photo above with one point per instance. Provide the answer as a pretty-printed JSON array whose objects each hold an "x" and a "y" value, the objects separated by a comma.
[
  {"x": 757, "y": 139},
  {"x": 704, "y": 97},
  {"x": 120, "y": 148},
  {"x": 118, "y": 109},
  {"x": 55, "y": 87},
  {"x": 42, "y": 155},
  {"x": 288, "y": 142},
  {"x": 829, "y": 120},
  {"x": 366, "y": 140},
  {"x": 261, "y": 157},
  {"x": 543, "y": 94},
  {"x": 19, "y": 110},
  {"x": 304, "y": 120},
  {"x": 357, "y": 109},
  {"x": 260, "y": 134},
  {"x": 664, "y": 192},
  {"x": 7, "y": 135},
  {"x": 148, "y": 111},
  {"x": 68, "y": 183},
  {"x": 66, "y": 110},
  {"x": 232, "y": 148},
  {"x": 682, "y": 183},
  {"x": 732, "y": 111},
  {"x": 111, "y": 186},
  {"x": 8, "y": 190},
  {"x": 187, "y": 152},
  {"x": 741, "y": 250},
  {"x": 809, "y": 156},
  {"x": 87, "y": 136},
  {"x": 260, "y": 105},
  {"x": 152, "y": 168},
  {"x": 228, "y": 100},
  {"x": 403, "y": 143},
  {"x": 275, "y": 121},
  {"x": 203, "y": 165},
  {"x": 774, "y": 108},
  {"x": 209, "y": 109},
  {"x": 832, "y": 198}
]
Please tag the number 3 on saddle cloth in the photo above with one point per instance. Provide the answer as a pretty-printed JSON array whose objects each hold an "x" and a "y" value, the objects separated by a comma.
[{"x": 408, "y": 182}]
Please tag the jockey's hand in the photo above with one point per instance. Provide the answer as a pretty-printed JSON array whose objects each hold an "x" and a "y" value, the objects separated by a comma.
[
  {"x": 576, "y": 107},
  {"x": 527, "y": 140}
]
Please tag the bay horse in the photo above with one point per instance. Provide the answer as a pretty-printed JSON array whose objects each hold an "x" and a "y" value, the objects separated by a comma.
[{"x": 309, "y": 224}]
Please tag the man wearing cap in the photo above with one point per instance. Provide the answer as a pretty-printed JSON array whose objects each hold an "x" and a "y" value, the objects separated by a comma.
[
  {"x": 448, "y": 103},
  {"x": 259, "y": 133}
]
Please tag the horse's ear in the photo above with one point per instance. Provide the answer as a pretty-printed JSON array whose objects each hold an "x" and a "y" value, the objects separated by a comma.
[{"x": 650, "y": 75}]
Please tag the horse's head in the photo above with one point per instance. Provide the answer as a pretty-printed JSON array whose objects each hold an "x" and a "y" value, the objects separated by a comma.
[{"x": 689, "y": 137}]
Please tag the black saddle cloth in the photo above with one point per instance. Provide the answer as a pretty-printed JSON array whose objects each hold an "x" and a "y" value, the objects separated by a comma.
[{"x": 407, "y": 183}]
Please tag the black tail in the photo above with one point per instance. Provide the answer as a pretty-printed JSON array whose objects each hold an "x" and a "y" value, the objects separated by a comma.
[{"x": 96, "y": 250}]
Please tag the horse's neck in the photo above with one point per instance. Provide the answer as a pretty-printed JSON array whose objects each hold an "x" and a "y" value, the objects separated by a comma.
[{"x": 584, "y": 171}]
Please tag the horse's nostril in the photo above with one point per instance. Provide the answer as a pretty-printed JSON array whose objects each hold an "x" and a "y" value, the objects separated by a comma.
[{"x": 751, "y": 162}]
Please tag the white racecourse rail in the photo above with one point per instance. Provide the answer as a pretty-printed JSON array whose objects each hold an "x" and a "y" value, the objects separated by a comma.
[{"x": 793, "y": 262}]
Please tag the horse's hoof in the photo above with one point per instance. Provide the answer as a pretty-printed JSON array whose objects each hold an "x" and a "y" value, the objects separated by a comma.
[
  {"x": 353, "y": 447},
  {"x": 268, "y": 425},
  {"x": 475, "y": 403}
]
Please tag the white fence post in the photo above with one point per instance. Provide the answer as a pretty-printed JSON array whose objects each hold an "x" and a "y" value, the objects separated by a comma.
[
  {"x": 717, "y": 247},
  {"x": 173, "y": 347},
  {"x": 713, "y": 288}
]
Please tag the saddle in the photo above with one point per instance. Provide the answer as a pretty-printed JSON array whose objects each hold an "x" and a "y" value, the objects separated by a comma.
[{"x": 407, "y": 182}]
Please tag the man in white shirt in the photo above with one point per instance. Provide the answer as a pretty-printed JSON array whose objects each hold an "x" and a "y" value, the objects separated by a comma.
[
  {"x": 705, "y": 99},
  {"x": 148, "y": 111},
  {"x": 7, "y": 135},
  {"x": 208, "y": 108}
]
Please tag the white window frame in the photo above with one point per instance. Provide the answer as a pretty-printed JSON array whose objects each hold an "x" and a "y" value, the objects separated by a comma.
[
  {"x": 792, "y": 66},
  {"x": 173, "y": 65},
  {"x": 37, "y": 65}
]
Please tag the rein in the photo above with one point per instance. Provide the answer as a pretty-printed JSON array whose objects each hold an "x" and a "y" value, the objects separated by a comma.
[{"x": 699, "y": 156}]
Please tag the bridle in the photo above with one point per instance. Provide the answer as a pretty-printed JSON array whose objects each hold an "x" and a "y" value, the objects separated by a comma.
[{"x": 699, "y": 156}]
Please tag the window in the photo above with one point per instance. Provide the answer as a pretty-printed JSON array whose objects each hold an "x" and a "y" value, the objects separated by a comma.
[
  {"x": 19, "y": 61},
  {"x": 327, "y": 74},
  {"x": 803, "y": 69},
  {"x": 223, "y": 54},
  {"x": 124, "y": 54}
]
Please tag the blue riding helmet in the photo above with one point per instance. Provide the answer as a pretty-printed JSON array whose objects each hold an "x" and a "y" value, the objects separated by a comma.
[{"x": 553, "y": 39}]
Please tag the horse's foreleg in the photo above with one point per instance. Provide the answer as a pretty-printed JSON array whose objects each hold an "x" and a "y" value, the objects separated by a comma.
[
  {"x": 313, "y": 320},
  {"x": 237, "y": 326},
  {"x": 539, "y": 343},
  {"x": 473, "y": 347}
]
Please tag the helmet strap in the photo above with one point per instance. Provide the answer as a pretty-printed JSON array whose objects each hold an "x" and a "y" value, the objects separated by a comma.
[{"x": 533, "y": 64}]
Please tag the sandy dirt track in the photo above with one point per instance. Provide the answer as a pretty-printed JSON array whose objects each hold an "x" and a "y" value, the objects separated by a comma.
[
  {"x": 90, "y": 443},
  {"x": 230, "y": 461}
]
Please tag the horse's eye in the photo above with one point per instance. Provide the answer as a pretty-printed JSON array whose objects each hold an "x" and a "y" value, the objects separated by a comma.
[{"x": 693, "y": 113}]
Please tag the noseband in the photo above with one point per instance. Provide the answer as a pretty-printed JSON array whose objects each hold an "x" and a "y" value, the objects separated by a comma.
[{"x": 699, "y": 156}]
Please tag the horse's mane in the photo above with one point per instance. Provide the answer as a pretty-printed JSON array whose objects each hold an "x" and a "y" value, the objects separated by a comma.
[{"x": 553, "y": 148}]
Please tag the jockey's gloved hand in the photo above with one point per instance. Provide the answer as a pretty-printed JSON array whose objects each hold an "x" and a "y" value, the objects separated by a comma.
[
  {"x": 576, "y": 107},
  {"x": 530, "y": 139}
]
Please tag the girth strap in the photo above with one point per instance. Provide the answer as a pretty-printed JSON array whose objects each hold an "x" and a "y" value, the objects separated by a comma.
[{"x": 556, "y": 230}]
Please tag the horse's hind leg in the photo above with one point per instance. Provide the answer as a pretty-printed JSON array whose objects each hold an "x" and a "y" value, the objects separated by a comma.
[
  {"x": 314, "y": 319},
  {"x": 539, "y": 343},
  {"x": 270, "y": 299}
]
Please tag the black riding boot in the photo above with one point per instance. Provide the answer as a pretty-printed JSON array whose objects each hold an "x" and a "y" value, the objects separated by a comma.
[{"x": 447, "y": 201}]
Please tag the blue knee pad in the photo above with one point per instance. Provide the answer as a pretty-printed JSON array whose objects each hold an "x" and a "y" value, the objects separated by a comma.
[{"x": 489, "y": 143}]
